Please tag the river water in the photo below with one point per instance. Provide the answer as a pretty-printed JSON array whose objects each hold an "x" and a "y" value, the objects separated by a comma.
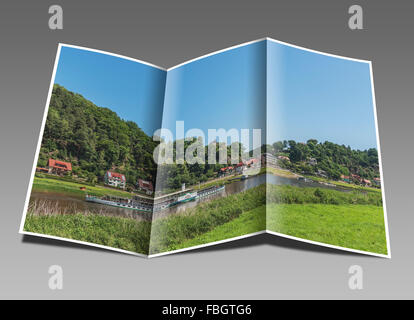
[{"x": 54, "y": 202}]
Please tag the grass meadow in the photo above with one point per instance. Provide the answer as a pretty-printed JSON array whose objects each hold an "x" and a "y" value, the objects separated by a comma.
[
  {"x": 353, "y": 219},
  {"x": 121, "y": 233},
  {"x": 52, "y": 184},
  {"x": 359, "y": 227}
]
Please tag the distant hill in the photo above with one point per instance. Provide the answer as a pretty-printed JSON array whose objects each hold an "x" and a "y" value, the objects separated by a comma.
[
  {"x": 95, "y": 139},
  {"x": 334, "y": 159}
]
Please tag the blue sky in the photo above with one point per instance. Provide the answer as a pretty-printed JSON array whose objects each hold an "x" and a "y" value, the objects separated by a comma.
[
  {"x": 226, "y": 90},
  {"x": 308, "y": 95},
  {"x": 317, "y": 96},
  {"x": 135, "y": 91}
]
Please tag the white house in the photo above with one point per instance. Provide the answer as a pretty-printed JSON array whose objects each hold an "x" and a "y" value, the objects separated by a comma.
[{"x": 115, "y": 179}]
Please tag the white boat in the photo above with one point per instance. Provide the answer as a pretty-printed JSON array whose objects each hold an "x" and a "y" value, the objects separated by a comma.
[
  {"x": 187, "y": 197},
  {"x": 123, "y": 203}
]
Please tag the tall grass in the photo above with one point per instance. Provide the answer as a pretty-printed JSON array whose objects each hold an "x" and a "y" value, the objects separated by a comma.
[
  {"x": 291, "y": 195},
  {"x": 122, "y": 233},
  {"x": 168, "y": 233}
]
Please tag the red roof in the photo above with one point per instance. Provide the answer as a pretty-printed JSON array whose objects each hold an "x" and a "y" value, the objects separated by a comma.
[
  {"x": 60, "y": 165},
  {"x": 145, "y": 184},
  {"x": 283, "y": 157},
  {"x": 115, "y": 175},
  {"x": 254, "y": 160}
]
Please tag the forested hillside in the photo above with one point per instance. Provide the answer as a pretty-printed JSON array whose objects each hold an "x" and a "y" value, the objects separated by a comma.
[
  {"x": 334, "y": 159},
  {"x": 95, "y": 139}
]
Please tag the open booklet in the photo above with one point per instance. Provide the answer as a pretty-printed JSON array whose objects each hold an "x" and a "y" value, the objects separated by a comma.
[{"x": 260, "y": 137}]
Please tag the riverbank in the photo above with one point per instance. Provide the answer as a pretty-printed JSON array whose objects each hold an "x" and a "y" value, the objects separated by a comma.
[
  {"x": 344, "y": 184},
  {"x": 129, "y": 234},
  {"x": 289, "y": 174},
  {"x": 350, "y": 219},
  {"x": 194, "y": 228},
  {"x": 74, "y": 188}
]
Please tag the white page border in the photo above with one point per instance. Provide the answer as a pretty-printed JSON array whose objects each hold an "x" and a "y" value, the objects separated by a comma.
[{"x": 29, "y": 189}]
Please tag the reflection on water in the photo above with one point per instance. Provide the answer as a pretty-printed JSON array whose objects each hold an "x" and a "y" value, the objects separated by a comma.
[{"x": 53, "y": 202}]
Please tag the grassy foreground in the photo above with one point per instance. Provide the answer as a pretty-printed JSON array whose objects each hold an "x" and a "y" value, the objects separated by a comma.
[
  {"x": 166, "y": 233},
  {"x": 73, "y": 188},
  {"x": 248, "y": 222},
  {"x": 359, "y": 227},
  {"x": 348, "y": 219},
  {"x": 171, "y": 232},
  {"x": 352, "y": 220},
  {"x": 116, "y": 232}
]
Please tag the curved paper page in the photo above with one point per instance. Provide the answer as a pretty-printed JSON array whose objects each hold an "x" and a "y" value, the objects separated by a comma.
[
  {"x": 323, "y": 162},
  {"x": 94, "y": 171},
  {"x": 210, "y": 187}
]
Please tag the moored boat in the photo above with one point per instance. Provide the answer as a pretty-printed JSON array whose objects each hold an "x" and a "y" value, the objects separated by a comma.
[{"x": 123, "y": 203}]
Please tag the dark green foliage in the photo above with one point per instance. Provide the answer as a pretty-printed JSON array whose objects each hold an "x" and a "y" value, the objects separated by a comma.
[
  {"x": 334, "y": 159},
  {"x": 95, "y": 140}
]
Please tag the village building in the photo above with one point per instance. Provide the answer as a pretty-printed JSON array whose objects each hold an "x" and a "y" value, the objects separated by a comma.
[
  {"x": 322, "y": 173},
  {"x": 312, "y": 161},
  {"x": 226, "y": 171},
  {"x": 283, "y": 158},
  {"x": 252, "y": 162},
  {"x": 58, "y": 167},
  {"x": 43, "y": 170},
  {"x": 366, "y": 182},
  {"x": 269, "y": 159},
  {"x": 239, "y": 168},
  {"x": 115, "y": 179},
  {"x": 346, "y": 178},
  {"x": 145, "y": 186}
]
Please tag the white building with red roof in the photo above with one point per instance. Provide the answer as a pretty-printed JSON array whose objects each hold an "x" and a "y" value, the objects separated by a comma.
[
  {"x": 58, "y": 167},
  {"x": 115, "y": 179}
]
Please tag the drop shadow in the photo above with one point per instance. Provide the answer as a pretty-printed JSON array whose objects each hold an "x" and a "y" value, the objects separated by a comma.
[
  {"x": 254, "y": 241},
  {"x": 39, "y": 240},
  {"x": 276, "y": 241}
]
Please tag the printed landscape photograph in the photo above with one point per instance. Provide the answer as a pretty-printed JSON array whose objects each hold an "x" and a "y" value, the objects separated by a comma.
[
  {"x": 95, "y": 173},
  {"x": 263, "y": 137},
  {"x": 326, "y": 141}
]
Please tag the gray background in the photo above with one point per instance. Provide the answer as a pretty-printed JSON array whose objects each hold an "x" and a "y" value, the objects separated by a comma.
[{"x": 167, "y": 33}]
